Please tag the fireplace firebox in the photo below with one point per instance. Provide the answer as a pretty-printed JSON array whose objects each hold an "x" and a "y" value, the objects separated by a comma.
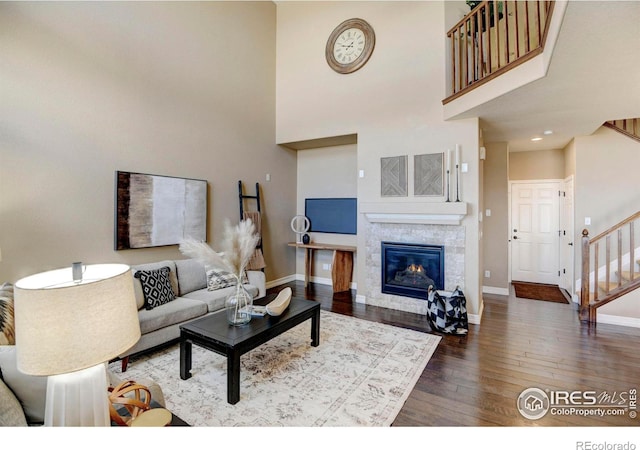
[{"x": 409, "y": 269}]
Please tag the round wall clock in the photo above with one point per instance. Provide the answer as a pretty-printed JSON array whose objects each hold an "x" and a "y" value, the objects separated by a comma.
[{"x": 350, "y": 46}]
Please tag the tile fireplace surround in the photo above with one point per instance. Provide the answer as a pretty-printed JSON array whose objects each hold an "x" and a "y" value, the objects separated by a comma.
[{"x": 450, "y": 234}]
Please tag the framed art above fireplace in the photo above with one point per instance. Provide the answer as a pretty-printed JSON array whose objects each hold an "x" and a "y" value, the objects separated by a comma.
[{"x": 156, "y": 210}]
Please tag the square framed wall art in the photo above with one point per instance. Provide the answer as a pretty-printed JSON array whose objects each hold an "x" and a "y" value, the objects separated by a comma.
[
  {"x": 393, "y": 176},
  {"x": 428, "y": 175}
]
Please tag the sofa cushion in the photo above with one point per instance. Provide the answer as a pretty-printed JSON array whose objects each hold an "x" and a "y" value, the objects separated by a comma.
[
  {"x": 153, "y": 266},
  {"x": 171, "y": 313},
  {"x": 215, "y": 299},
  {"x": 156, "y": 287},
  {"x": 257, "y": 279},
  {"x": 191, "y": 275},
  {"x": 31, "y": 391},
  {"x": 11, "y": 414},
  {"x": 7, "y": 333}
]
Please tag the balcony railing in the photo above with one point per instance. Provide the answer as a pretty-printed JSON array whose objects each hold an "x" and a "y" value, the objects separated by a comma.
[
  {"x": 628, "y": 127},
  {"x": 493, "y": 38}
]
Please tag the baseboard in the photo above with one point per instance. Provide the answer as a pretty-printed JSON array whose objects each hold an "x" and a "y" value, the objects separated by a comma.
[
  {"x": 300, "y": 277},
  {"x": 476, "y": 318},
  {"x": 281, "y": 281},
  {"x": 495, "y": 290},
  {"x": 317, "y": 280},
  {"x": 619, "y": 320}
]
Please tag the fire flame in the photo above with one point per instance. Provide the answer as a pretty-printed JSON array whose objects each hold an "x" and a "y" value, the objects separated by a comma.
[{"x": 415, "y": 268}]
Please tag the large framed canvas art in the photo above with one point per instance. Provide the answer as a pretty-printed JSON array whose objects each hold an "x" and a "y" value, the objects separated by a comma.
[{"x": 156, "y": 210}]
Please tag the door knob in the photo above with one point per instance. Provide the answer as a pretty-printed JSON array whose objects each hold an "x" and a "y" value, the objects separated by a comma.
[
  {"x": 515, "y": 237},
  {"x": 570, "y": 243}
]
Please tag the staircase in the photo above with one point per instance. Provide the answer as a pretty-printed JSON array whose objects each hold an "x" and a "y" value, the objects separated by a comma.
[
  {"x": 628, "y": 127},
  {"x": 610, "y": 266}
]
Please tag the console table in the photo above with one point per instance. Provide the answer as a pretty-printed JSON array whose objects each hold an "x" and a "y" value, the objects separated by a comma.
[{"x": 341, "y": 267}]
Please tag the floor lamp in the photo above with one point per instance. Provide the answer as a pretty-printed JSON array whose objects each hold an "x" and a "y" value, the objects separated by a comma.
[{"x": 69, "y": 324}]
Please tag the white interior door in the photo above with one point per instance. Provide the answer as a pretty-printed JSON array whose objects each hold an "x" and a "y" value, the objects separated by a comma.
[
  {"x": 534, "y": 232},
  {"x": 566, "y": 237}
]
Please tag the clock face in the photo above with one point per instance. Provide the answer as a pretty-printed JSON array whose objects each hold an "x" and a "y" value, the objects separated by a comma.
[{"x": 350, "y": 46}]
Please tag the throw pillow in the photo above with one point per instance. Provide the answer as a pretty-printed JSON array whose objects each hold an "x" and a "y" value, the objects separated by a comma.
[
  {"x": 220, "y": 279},
  {"x": 30, "y": 390},
  {"x": 7, "y": 332},
  {"x": 156, "y": 287},
  {"x": 11, "y": 414}
]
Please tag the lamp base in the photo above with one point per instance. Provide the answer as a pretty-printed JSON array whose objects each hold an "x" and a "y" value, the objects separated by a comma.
[{"x": 78, "y": 399}]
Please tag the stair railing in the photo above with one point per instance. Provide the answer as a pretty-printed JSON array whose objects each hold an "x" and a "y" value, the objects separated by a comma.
[
  {"x": 493, "y": 38},
  {"x": 628, "y": 127},
  {"x": 594, "y": 292}
]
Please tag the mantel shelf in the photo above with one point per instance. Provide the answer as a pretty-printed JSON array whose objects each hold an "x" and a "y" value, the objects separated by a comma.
[{"x": 429, "y": 213}]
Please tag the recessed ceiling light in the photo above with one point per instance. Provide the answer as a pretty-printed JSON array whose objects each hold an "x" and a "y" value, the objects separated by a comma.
[
  {"x": 548, "y": 132},
  {"x": 536, "y": 139}
]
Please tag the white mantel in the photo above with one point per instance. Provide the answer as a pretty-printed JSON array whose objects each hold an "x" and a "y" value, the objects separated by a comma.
[{"x": 427, "y": 213}]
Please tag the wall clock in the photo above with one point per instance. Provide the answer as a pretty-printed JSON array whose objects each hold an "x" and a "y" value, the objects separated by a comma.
[{"x": 350, "y": 46}]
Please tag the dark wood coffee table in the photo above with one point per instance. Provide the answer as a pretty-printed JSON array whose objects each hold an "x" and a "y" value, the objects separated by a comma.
[{"x": 214, "y": 333}]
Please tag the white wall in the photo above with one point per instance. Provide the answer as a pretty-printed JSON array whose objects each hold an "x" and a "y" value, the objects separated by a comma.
[
  {"x": 393, "y": 104},
  {"x": 537, "y": 165},
  {"x": 324, "y": 173},
  {"x": 183, "y": 89},
  {"x": 606, "y": 190},
  {"x": 496, "y": 226}
]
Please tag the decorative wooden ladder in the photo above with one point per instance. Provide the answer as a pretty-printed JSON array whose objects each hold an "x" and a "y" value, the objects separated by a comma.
[
  {"x": 603, "y": 278},
  {"x": 257, "y": 260}
]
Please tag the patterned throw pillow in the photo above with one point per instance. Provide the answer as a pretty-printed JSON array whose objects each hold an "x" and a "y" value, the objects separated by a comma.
[
  {"x": 7, "y": 332},
  {"x": 156, "y": 287},
  {"x": 219, "y": 279}
]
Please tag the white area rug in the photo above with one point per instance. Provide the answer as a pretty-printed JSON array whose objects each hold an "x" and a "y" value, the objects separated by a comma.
[{"x": 360, "y": 375}]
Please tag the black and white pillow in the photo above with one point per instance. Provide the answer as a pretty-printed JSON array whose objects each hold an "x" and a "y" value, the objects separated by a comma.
[
  {"x": 219, "y": 279},
  {"x": 156, "y": 287}
]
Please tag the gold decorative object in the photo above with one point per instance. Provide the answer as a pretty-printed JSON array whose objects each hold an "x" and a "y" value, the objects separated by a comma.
[{"x": 135, "y": 398}]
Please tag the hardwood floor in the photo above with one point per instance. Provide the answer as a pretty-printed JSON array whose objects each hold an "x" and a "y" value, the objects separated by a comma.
[{"x": 475, "y": 380}]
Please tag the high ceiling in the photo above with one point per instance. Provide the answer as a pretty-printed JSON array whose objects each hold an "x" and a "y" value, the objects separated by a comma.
[{"x": 594, "y": 76}]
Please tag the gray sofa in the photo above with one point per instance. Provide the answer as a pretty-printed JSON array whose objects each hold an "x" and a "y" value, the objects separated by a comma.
[
  {"x": 23, "y": 397},
  {"x": 189, "y": 283}
]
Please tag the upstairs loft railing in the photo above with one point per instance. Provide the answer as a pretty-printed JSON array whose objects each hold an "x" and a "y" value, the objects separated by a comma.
[
  {"x": 628, "y": 127},
  {"x": 493, "y": 38},
  {"x": 610, "y": 266}
]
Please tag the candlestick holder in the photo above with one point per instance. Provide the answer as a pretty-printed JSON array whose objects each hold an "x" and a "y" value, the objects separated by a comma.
[
  {"x": 448, "y": 186},
  {"x": 457, "y": 183}
]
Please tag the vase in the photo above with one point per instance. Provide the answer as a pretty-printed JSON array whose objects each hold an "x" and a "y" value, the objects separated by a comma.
[{"x": 238, "y": 306}]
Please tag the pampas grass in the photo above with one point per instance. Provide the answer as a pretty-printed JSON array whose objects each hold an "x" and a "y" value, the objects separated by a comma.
[{"x": 237, "y": 248}]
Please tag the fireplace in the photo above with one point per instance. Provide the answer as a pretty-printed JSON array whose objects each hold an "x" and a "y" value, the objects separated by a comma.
[{"x": 409, "y": 269}]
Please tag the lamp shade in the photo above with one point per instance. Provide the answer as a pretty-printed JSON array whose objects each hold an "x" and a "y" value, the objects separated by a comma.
[{"x": 64, "y": 326}]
